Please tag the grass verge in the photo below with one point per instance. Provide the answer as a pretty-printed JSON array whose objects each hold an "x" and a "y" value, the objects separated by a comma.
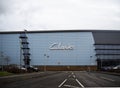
[{"x": 4, "y": 73}]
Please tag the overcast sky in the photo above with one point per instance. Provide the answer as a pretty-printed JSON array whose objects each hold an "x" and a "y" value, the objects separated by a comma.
[{"x": 59, "y": 14}]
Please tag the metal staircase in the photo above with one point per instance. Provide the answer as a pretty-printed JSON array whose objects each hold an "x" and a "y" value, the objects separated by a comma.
[{"x": 24, "y": 49}]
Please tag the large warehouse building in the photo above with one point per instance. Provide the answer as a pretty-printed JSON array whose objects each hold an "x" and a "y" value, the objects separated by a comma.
[{"x": 62, "y": 50}]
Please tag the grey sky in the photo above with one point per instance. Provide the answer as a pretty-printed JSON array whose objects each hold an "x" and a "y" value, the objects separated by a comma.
[{"x": 59, "y": 14}]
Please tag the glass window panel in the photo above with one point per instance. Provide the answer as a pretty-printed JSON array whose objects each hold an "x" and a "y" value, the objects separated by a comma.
[
  {"x": 107, "y": 46},
  {"x": 110, "y": 56}
]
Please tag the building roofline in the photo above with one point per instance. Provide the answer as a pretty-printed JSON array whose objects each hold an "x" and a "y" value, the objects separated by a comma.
[{"x": 55, "y": 31}]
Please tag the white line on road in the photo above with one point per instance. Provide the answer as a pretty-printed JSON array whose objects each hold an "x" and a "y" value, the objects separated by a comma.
[
  {"x": 70, "y": 86},
  {"x": 80, "y": 83},
  {"x": 74, "y": 76},
  {"x": 69, "y": 76},
  {"x": 107, "y": 79},
  {"x": 62, "y": 83}
]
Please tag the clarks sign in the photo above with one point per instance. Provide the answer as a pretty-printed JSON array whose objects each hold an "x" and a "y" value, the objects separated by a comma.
[{"x": 60, "y": 46}]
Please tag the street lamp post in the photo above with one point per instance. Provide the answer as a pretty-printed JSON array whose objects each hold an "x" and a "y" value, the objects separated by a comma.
[
  {"x": 44, "y": 63},
  {"x": 20, "y": 54},
  {"x": 90, "y": 63},
  {"x": 101, "y": 64},
  {"x": 46, "y": 57}
]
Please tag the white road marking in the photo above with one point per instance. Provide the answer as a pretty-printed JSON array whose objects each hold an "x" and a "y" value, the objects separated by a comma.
[
  {"x": 107, "y": 79},
  {"x": 80, "y": 83},
  {"x": 62, "y": 83},
  {"x": 71, "y": 86},
  {"x": 74, "y": 76},
  {"x": 72, "y": 73},
  {"x": 69, "y": 76}
]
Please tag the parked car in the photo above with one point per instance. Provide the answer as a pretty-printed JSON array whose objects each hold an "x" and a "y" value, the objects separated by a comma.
[
  {"x": 32, "y": 68},
  {"x": 116, "y": 67},
  {"x": 22, "y": 68},
  {"x": 105, "y": 68}
]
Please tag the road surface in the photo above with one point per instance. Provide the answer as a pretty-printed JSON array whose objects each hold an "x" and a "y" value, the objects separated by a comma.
[{"x": 63, "y": 79}]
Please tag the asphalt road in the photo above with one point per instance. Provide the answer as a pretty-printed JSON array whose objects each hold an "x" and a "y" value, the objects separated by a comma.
[{"x": 64, "y": 79}]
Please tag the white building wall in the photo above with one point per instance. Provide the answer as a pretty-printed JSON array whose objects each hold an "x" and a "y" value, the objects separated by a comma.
[
  {"x": 82, "y": 54},
  {"x": 10, "y": 46}
]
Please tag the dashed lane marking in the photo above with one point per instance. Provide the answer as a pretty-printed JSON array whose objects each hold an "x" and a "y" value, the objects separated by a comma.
[
  {"x": 62, "y": 83},
  {"x": 107, "y": 79},
  {"x": 69, "y": 76}
]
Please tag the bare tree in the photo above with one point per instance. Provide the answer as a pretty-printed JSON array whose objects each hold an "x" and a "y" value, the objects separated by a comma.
[
  {"x": 7, "y": 60},
  {"x": 1, "y": 60}
]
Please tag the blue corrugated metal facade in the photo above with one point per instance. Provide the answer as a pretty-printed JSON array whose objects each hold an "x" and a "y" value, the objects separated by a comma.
[{"x": 60, "y": 48}]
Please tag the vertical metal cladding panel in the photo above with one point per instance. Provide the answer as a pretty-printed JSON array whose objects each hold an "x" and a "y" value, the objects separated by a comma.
[
  {"x": 82, "y": 53},
  {"x": 0, "y": 49},
  {"x": 0, "y": 42},
  {"x": 9, "y": 45}
]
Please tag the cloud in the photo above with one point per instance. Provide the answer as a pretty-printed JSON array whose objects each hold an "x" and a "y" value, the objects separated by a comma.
[
  {"x": 3, "y": 7},
  {"x": 59, "y": 14}
]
